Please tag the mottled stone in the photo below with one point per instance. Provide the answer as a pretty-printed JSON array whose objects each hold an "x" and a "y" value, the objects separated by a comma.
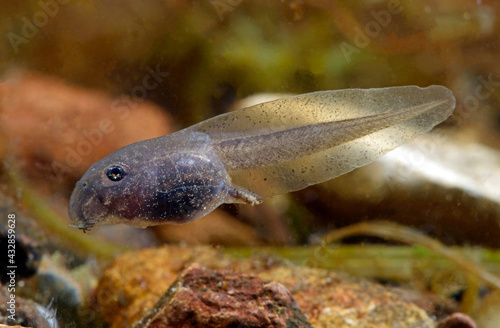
[
  {"x": 333, "y": 299},
  {"x": 204, "y": 298},
  {"x": 136, "y": 281}
]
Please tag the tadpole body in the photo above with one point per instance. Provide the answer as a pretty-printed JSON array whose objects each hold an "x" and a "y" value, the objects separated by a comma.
[{"x": 259, "y": 151}]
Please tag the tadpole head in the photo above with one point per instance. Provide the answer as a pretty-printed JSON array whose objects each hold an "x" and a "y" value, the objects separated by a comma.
[
  {"x": 87, "y": 209},
  {"x": 110, "y": 191},
  {"x": 152, "y": 182}
]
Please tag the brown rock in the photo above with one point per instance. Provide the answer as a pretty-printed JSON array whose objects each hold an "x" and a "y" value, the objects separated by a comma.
[
  {"x": 135, "y": 282},
  {"x": 333, "y": 299},
  {"x": 205, "y": 298},
  {"x": 56, "y": 130}
]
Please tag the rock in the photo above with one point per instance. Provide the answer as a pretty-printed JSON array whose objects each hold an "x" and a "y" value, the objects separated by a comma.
[
  {"x": 59, "y": 287},
  {"x": 204, "y": 298},
  {"x": 333, "y": 299},
  {"x": 136, "y": 281},
  {"x": 56, "y": 130},
  {"x": 453, "y": 181}
]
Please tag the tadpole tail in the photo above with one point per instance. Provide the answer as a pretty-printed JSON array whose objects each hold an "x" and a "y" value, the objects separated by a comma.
[
  {"x": 293, "y": 142},
  {"x": 250, "y": 152}
]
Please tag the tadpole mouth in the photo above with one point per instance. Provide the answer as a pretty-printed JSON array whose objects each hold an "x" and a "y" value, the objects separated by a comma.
[
  {"x": 86, "y": 228},
  {"x": 76, "y": 213},
  {"x": 79, "y": 220},
  {"x": 86, "y": 209}
]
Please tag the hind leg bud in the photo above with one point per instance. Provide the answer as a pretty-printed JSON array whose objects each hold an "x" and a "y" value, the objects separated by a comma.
[{"x": 241, "y": 195}]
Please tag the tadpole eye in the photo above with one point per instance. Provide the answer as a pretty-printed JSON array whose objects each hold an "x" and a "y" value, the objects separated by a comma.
[{"x": 115, "y": 173}]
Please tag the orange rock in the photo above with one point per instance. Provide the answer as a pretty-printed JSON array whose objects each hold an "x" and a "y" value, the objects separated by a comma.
[
  {"x": 204, "y": 298},
  {"x": 56, "y": 130},
  {"x": 135, "y": 281}
]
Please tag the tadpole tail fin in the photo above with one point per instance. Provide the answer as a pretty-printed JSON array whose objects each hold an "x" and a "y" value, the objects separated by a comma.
[{"x": 321, "y": 135}]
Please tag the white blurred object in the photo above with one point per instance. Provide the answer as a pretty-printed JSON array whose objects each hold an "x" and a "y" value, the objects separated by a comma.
[
  {"x": 447, "y": 162},
  {"x": 258, "y": 99}
]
